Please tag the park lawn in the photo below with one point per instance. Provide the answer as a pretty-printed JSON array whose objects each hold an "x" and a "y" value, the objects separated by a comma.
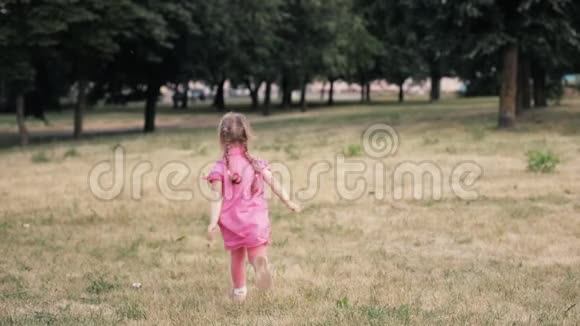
[{"x": 510, "y": 256}]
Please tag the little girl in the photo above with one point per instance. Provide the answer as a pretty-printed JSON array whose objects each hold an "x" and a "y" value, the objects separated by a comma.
[{"x": 242, "y": 211}]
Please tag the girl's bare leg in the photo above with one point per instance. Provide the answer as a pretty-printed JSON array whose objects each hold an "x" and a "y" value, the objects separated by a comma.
[{"x": 259, "y": 259}]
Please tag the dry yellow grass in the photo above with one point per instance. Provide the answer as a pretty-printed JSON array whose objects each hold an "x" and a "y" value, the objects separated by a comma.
[{"x": 510, "y": 257}]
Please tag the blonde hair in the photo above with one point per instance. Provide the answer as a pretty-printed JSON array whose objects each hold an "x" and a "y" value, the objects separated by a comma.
[{"x": 234, "y": 129}]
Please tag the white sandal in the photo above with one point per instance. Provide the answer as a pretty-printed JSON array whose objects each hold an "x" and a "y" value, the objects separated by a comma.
[{"x": 239, "y": 295}]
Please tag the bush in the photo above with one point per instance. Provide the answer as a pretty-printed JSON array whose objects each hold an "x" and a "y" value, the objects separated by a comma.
[{"x": 542, "y": 161}]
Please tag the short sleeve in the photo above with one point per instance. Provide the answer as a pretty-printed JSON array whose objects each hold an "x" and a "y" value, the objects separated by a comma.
[{"x": 216, "y": 173}]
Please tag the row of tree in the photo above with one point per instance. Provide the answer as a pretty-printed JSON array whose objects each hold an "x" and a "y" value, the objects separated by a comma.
[{"x": 102, "y": 48}]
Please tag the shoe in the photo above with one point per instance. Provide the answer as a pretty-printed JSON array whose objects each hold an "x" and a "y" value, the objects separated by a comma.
[{"x": 239, "y": 295}]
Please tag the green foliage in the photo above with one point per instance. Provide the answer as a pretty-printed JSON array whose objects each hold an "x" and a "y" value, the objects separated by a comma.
[
  {"x": 132, "y": 310},
  {"x": 542, "y": 161},
  {"x": 343, "y": 303},
  {"x": 392, "y": 24},
  {"x": 352, "y": 150},
  {"x": 255, "y": 51},
  {"x": 98, "y": 284},
  {"x": 72, "y": 152},
  {"x": 402, "y": 313},
  {"x": 40, "y": 157},
  {"x": 375, "y": 313},
  {"x": 541, "y": 28},
  {"x": 117, "y": 46},
  {"x": 44, "y": 318}
]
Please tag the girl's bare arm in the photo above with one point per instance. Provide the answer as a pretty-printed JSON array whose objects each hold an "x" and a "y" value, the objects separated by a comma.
[
  {"x": 215, "y": 208},
  {"x": 279, "y": 191}
]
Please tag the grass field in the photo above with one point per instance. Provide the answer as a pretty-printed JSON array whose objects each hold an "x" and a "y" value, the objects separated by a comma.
[{"x": 510, "y": 257}]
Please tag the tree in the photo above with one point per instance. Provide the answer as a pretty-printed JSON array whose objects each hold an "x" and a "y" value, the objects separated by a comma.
[
  {"x": 257, "y": 43},
  {"x": 308, "y": 29},
  {"x": 538, "y": 29},
  {"x": 437, "y": 39},
  {"x": 27, "y": 31},
  {"x": 362, "y": 55},
  {"x": 89, "y": 42},
  {"x": 391, "y": 23},
  {"x": 216, "y": 42},
  {"x": 154, "y": 49},
  {"x": 335, "y": 57}
]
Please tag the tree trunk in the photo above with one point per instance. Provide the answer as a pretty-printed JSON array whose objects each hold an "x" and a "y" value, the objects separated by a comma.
[
  {"x": 152, "y": 95},
  {"x": 362, "y": 91},
  {"x": 401, "y": 92},
  {"x": 303, "y": 97},
  {"x": 540, "y": 100},
  {"x": 288, "y": 97},
  {"x": 286, "y": 92},
  {"x": 2, "y": 89},
  {"x": 254, "y": 94},
  {"x": 22, "y": 131},
  {"x": 267, "y": 98},
  {"x": 524, "y": 93},
  {"x": 219, "y": 102},
  {"x": 509, "y": 88},
  {"x": 435, "y": 75},
  {"x": 331, "y": 92},
  {"x": 80, "y": 108},
  {"x": 185, "y": 99},
  {"x": 175, "y": 97},
  {"x": 368, "y": 92}
]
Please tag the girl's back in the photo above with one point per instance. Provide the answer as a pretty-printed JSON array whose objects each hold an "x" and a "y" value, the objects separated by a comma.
[{"x": 244, "y": 213}]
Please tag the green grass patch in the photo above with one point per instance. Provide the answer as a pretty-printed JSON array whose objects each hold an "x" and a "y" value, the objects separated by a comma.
[
  {"x": 40, "y": 157},
  {"x": 352, "y": 150},
  {"x": 542, "y": 161},
  {"x": 99, "y": 284},
  {"x": 343, "y": 303},
  {"x": 131, "y": 310},
  {"x": 72, "y": 152}
]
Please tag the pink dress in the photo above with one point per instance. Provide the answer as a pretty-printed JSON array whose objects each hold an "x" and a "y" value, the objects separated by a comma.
[{"x": 244, "y": 220}]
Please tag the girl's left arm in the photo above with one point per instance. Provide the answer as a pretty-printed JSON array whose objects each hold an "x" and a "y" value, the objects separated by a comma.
[
  {"x": 280, "y": 192},
  {"x": 215, "y": 209}
]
